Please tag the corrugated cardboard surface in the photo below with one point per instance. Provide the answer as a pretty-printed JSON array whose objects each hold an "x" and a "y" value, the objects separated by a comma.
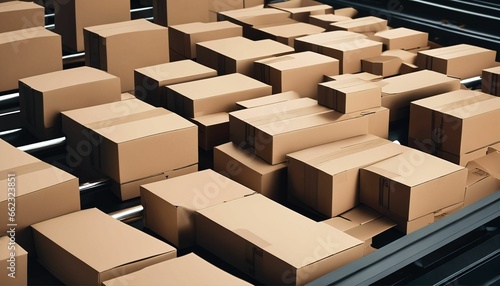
[
  {"x": 17, "y": 273},
  {"x": 402, "y": 39},
  {"x": 17, "y": 15}
]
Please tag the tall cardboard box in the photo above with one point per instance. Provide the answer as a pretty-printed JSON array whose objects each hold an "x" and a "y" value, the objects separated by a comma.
[
  {"x": 43, "y": 97},
  {"x": 72, "y": 16},
  {"x": 184, "y": 270},
  {"x": 299, "y": 72},
  {"x": 268, "y": 241},
  {"x": 349, "y": 95},
  {"x": 300, "y": 10},
  {"x": 150, "y": 81},
  {"x": 13, "y": 262},
  {"x": 326, "y": 177},
  {"x": 39, "y": 191},
  {"x": 28, "y": 52},
  {"x": 402, "y": 39},
  {"x": 68, "y": 247},
  {"x": 491, "y": 81},
  {"x": 119, "y": 48},
  {"x": 175, "y": 12},
  {"x": 360, "y": 25},
  {"x": 170, "y": 205},
  {"x": 237, "y": 54},
  {"x": 18, "y": 15},
  {"x": 249, "y": 170},
  {"x": 483, "y": 178},
  {"x": 268, "y": 99}
]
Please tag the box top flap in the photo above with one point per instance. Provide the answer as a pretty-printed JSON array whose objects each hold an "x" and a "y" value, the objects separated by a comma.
[
  {"x": 330, "y": 17},
  {"x": 240, "y": 48},
  {"x": 363, "y": 76},
  {"x": 361, "y": 215},
  {"x": 332, "y": 36},
  {"x": 368, "y": 20},
  {"x": 454, "y": 51},
  {"x": 489, "y": 163}
]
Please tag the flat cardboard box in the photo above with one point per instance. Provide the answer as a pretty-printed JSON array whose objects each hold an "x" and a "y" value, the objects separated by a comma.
[
  {"x": 43, "y": 97},
  {"x": 71, "y": 16},
  {"x": 402, "y": 39},
  {"x": 183, "y": 38},
  {"x": 41, "y": 191},
  {"x": 300, "y": 10},
  {"x": 150, "y": 81},
  {"x": 267, "y": 241},
  {"x": 456, "y": 122},
  {"x": 68, "y": 247},
  {"x": 21, "y": 49},
  {"x": 412, "y": 184},
  {"x": 249, "y": 170},
  {"x": 18, "y": 15},
  {"x": 382, "y": 65},
  {"x": 360, "y": 25},
  {"x": 399, "y": 91},
  {"x": 119, "y": 48},
  {"x": 213, "y": 130},
  {"x": 326, "y": 177},
  {"x": 237, "y": 54},
  {"x": 175, "y": 12},
  {"x": 287, "y": 33},
  {"x": 189, "y": 269},
  {"x": 493, "y": 148},
  {"x": 362, "y": 75},
  {"x": 213, "y": 95},
  {"x": 491, "y": 81},
  {"x": 460, "y": 61},
  {"x": 268, "y": 99},
  {"x": 170, "y": 205},
  {"x": 299, "y": 72},
  {"x": 483, "y": 178},
  {"x": 350, "y": 95},
  {"x": 13, "y": 262},
  {"x": 406, "y": 56},
  {"x": 325, "y": 20}
]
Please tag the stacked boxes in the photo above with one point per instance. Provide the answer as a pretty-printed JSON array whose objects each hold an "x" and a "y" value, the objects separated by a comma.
[
  {"x": 18, "y": 15},
  {"x": 491, "y": 81}
]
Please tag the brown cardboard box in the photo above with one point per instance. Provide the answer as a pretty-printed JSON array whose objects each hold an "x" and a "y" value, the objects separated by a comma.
[
  {"x": 13, "y": 262},
  {"x": 348, "y": 47},
  {"x": 253, "y": 3},
  {"x": 326, "y": 177},
  {"x": 300, "y": 10},
  {"x": 175, "y": 12},
  {"x": 150, "y": 81},
  {"x": 460, "y": 61},
  {"x": 88, "y": 247},
  {"x": 456, "y": 122},
  {"x": 494, "y": 148},
  {"x": 268, "y": 99},
  {"x": 215, "y": 6},
  {"x": 362, "y": 75},
  {"x": 18, "y": 15},
  {"x": 213, "y": 129},
  {"x": 170, "y": 205},
  {"x": 286, "y": 33},
  {"x": 399, "y": 91},
  {"x": 189, "y": 269},
  {"x": 249, "y": 170},
  {"x": 360, "y": 25},
  {"x": 43, "y": 97},
  {"x": 491, "y": 81},
  {"x": 412, "y": 185},
  {"x": 119, "y": 48},
  {"x": 213, "y": 95},
  {"x": 267, "y": 241},
  {"x": 38, "y": 190},
  {"x": 349, "y": 95},
  {"x": 347, "y": 12},
  {"x": 183, "y": 38},
  {"x": 483, "y": 178},
  {"x": 402, "y": 39},
  {"x": 382, "y": 65},
  {"x": 325, "y": 20},
  {"x": 237, "y": 54},
  {"x": 300, "y": 72},
  {"x": 71, "y": 16},
  {"x": 20, "y": 49},
  {"x": 405, "y": 56}
]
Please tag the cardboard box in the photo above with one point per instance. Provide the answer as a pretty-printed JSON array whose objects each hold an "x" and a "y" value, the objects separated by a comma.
[
  {"x": 183, "y": 38},
  {"x": 350, "y": 95},
  {"x": 184, "y": 270},
  {"x": 483, "y": 178},
  {"x": 170, "y": 205},
  {"x": 117, "y": 48},
  {"x": 220, "y": 94},
  {"x": 268, "y": 99},
  {"x": 348, "y": 47},
  {"x": 175, "y": 12},
  {"x": 326, "y": 177},
  {"x": 267, "y": 241},
  {"x": 402, "y": 39},
  {"x": 491, "y": 81},
  {"x": 287, "y": 33},
  {"x": 300, "y": 10},
  {"x": 43, "y": 97},
  {"x": 150, "y": 81},
  {"x": 216, "y": 6},
  {"x": 360, "y": 25},
  {"x": 347, "y": 12},
  {"x": 399, "y": 91},
  {"x": 300, "y": 72},
  {"x": 247, "y": 169},
  {"x": 405, "y": 56},
  {"x": 68, "y": 247},
  {"x": 237, "y": 54},
  {"x": 39, "y": 191},
  {"x": 411, "y": 185},
  {"x": 362, "y": 75},
  {"x": 460, "y": 61},
  {"x": 13, "y": 262},
  {"x": 18, "y": 15},
  {"x": 325, "y": 20},
  {"x": 72, "y": 16},
  {"x": 494, "y": 148},
  {"x": 456, "y": 122},
  {"x": 213, "y": 129},
  {"x": 20, "y": 49},
  {"x": 382, "y": 65}
]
